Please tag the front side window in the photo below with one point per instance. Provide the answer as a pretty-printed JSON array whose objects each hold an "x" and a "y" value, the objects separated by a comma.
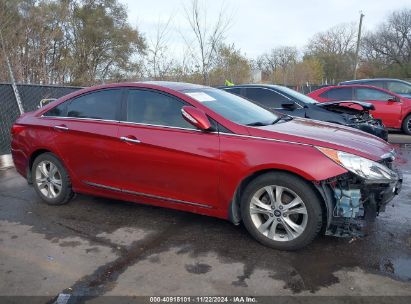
[
  {"x": 233, "y": 107},
  {"x": 153, "y": 108},
  {"x": 266, "y": 97},
  {"x": 372, "y": 94},
  {"x": 97, "y": 105},
  {"x": 338, "y": 94},
  {"x": 399, "y": 87}
]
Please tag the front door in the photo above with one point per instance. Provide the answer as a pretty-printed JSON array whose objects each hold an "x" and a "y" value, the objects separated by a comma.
[
  {"x": 386, "y": 109},
  {"x": 164, "y": 156}
]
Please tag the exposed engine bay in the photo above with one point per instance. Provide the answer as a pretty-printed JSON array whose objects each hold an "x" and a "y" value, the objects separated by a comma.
[
  {"x": 357, "y": 115},
  {"x": 352, "y": 201}
]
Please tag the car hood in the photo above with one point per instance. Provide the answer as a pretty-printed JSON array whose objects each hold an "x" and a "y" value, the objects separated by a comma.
[
  {"x": 365, "y": 105},
  {"x": 323, "y": 134}
]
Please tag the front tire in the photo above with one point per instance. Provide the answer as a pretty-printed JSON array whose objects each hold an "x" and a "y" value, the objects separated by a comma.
[
  {"x": 406, "y": 125},
  {"x": 281, "y": 211},
  {"x": 51, "y": 180}
]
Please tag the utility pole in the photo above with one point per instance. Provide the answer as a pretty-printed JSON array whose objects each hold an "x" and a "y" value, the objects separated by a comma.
[
  {"x": 358, "y": 45},
  {"x": 13, "y": 82}
]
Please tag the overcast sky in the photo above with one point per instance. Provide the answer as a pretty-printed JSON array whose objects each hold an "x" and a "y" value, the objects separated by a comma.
[{"x": 259, "y": 25}]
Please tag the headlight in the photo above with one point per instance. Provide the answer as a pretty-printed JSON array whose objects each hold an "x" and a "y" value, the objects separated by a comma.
[{"x": 365, "y": 168}]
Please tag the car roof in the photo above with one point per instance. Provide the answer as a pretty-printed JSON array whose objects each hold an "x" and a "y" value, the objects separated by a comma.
[
  {"x": 373, "y": 80},
  {"x": 176, "y": 86},
  {"x": 252, "y": 85},
  {"x": 354, "y": 85}
]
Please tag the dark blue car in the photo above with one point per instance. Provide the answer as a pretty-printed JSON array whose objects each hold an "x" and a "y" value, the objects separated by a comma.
[{"x": 288, "y": 101}]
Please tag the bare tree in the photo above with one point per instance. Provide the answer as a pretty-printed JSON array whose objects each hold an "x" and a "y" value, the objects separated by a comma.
[
  {"x": 335, "y": 49},
  {"x": 207, "y": 37},
  {"x": 390, "y": 45},
  {"x": 279, "y": 63},
  {"x": 159, "y": 62}
]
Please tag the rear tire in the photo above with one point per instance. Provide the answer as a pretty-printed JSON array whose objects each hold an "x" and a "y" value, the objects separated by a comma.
[
  {"x": 292, "y": 207},
  {"x": 51, "y": 180},
  {"x": 406, "y": 125}
]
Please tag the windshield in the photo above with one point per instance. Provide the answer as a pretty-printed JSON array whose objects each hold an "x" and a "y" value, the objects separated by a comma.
[
  {"x": 233, "y": 107},
  {"x": 298, "y": 96}
]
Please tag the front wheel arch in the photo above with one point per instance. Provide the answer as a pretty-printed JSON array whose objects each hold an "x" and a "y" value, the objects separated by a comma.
[
  {"x": 234, "y": 209},
  {"x": 405, "y": 121}
]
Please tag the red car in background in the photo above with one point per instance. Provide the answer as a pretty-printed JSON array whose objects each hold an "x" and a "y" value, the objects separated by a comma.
[
  {"x": 204, "y": 150},
  {"x": 394, "y": 110}
]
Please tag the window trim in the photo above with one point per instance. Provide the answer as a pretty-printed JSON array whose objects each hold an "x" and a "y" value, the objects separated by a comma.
[{"x": 123, "y": 114}]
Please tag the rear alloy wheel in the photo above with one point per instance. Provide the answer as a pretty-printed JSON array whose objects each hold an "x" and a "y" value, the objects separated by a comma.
[
  {"x": 406, "y": 125},
  {"x": 50, "y": 180},
  {"x": 281, "y": 211}
]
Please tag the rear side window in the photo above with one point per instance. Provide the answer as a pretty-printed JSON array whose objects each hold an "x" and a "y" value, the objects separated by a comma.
[
  {"x": 97, "y": 105},
  {"x": 236, "y": 91},
  {"x": 57, "y": 111},
  {"x": 372, "y": 94},
  {"x": 148, "y": 107},
  {"x": 379, "y": 84},
  {"x": 265, "y": 97},
  {"x": 338, "y": 94}
]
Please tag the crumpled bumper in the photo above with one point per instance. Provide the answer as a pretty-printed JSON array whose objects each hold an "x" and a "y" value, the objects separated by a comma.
[{"x": 351, "y": 203}]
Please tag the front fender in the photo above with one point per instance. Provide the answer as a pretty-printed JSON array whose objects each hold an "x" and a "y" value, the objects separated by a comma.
[{"x": 242, "y": 157}]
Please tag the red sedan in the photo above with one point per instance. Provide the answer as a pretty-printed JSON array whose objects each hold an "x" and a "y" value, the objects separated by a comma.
[
  {"x": 203, "y": 150},
  {"x": 394, "y": 110}
]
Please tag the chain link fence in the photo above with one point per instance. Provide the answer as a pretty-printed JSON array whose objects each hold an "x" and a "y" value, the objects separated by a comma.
[{"x": 30, "y": 96}]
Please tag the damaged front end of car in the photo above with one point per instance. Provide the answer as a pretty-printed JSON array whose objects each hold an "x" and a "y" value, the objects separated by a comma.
[
  {"x": 357, "y": 115},
  {"x": 358, "y": 196}
]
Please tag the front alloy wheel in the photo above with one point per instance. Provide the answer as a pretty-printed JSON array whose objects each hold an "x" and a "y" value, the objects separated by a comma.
[
  {"x": 281, "y": 210},
  {"x": 278, "y": 213}
]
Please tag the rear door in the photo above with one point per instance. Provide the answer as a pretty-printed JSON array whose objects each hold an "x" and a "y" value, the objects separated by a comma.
[
  {"x": 164, "y": 156},
  {"x": 386, "y": 109},
  {"x": 85, "y": 134}
]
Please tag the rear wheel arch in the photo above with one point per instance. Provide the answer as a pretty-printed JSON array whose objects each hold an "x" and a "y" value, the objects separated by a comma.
[
  {"x": 33, "y": 157},
  {"x": 234, "y": 212}
]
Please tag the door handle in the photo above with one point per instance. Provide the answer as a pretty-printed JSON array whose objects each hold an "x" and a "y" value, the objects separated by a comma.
[
  {"x": 128, "y": 139},
  {"x": 61, "y": 127}
]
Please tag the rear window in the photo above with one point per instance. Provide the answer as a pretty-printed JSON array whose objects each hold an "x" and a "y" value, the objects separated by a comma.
[{"x": 338, "y": 94}]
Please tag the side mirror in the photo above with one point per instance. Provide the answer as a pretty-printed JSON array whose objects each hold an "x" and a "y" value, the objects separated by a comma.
[
  {"x": 394, "y": 99},
  {"x": 289, "y": 105},
  {"x": 45, "y": 101},
  {"x": 196, "y": 117}
]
